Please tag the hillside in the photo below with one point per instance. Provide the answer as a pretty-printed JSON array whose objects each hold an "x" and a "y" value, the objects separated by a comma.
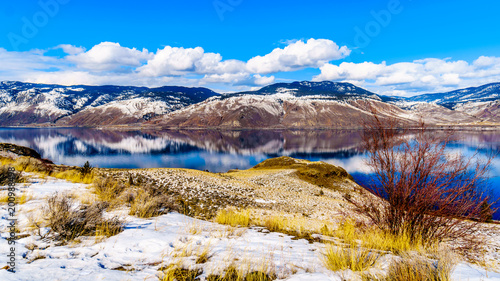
[
  {"x": 277, "y": 221},
  {"x": 297, "y": 105},
  {"x": 305, "y": 105},
  {"x": 39, "y": 104}
]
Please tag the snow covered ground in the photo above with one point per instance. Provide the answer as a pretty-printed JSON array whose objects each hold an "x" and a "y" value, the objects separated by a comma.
[{"x": 146, "y": 245}]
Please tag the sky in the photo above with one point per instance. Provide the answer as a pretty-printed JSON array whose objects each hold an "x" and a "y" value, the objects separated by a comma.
[{"x": 391, "y": 47}]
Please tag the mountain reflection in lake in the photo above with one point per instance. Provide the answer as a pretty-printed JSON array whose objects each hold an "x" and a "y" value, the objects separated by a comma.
[{"x": 218, "y": 151}]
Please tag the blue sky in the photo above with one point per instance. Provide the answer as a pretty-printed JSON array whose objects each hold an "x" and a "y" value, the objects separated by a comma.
[{"x": 398, "y": 47}]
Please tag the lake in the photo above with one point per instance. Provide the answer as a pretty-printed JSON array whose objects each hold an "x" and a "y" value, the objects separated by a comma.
[{"x": 220, "y": 151}]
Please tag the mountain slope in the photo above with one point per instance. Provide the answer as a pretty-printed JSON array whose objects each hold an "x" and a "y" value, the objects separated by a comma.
[
  {"x": 319, "y": 90},
  {"x": 480, "y": 103},
  {"x": 485, "y": 93},
  {"x": 307, "y": 105},
  {"x": 28, "y": 103},
  {"x": 295, "y": 105}
]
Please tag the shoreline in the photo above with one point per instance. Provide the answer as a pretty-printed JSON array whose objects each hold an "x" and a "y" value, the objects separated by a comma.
[{"x": 160, "y": 128}]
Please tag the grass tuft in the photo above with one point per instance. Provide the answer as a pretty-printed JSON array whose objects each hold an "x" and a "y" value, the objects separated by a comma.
[
  {"x": 145, "y": 205},
  {"x": 354, "y": 258},
  {"x": 233, "y": 274},
  {"x": 233, "y": 217},
  {"x": 107, "y": 189},
  {"x": 18, "y": 199},
  {"x": 175, "y": 273},
  {"x": 374, "y": 238},
  {"x": 74, "y": 176},
  {"x": 418, "y": 269}
]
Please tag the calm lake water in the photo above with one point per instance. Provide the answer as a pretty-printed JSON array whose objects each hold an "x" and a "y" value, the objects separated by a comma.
[{"x": 219, "y": 151}]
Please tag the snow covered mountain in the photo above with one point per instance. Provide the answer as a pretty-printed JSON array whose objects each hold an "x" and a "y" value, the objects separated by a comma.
[
  {"x": 27, "y": 103},
  {"x": 317, "y": 90},
  {"x": 285, "y": 105},
  {"x": 282, "y": 105},
  {"x": 485, "y": 93},
  {"x": 480, "y": 103}
]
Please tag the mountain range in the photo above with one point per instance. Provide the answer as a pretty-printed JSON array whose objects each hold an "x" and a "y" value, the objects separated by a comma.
[{"x": 300, "y": 105}]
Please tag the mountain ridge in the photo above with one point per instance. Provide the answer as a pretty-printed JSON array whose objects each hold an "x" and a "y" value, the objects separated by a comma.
[
  {"x": 29, "y": 103},
  {"x": 299, "y": 104}
]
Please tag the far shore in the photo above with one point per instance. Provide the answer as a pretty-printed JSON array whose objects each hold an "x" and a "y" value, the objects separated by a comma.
[{"x": 459, "y": 127}]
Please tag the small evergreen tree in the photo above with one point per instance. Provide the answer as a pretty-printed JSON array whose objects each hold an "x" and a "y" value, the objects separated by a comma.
[{"x": 86, "y": 170}]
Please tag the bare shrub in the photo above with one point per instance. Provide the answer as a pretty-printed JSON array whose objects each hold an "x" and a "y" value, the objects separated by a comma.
[
  {"x": 69, "y": 220},
  {"x": 107, "y": 188},
  {"x": 145, "y": 205},
  {"x": 429, "y": 193},
  {"x": 6, "y": 176}
]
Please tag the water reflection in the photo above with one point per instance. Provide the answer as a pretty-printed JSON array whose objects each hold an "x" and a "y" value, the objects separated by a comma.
[
  {"x": 211, "y": 149},
  {"x": 219, "y": 151},
  {"x": 199, "y": 149}
]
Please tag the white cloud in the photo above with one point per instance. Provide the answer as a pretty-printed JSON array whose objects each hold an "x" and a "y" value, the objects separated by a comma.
[
  {"x": 180, "y": 61},
  {"x": 351, "y": 71},
  {"x": 263, "y": 80},
  {"x": 419, "y": 76},
  {"x": 238, "y": 79},
  {"x": 70, "y": 49},
  {"x": 298, "y": 55},
  {"x": 111, "y": 63},
  {"x": 108, "y": 56}
]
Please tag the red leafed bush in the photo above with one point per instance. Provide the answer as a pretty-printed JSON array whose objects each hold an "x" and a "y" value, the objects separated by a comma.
[{"x": 430, "y": 194}]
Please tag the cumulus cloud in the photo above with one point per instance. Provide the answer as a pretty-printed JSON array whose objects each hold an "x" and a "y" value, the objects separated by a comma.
[
  {"x": 108, "y": 56},
  {"x": 111, "y": 63},
  {"x": 70, "y": 49},
  {"x": 21, "y": 66},
  {"x": 180, "y": 61},
  {"x": 238, "y": 79},
  {"x": 298, "y": 55},
  {"x": 419, "y": 76}
]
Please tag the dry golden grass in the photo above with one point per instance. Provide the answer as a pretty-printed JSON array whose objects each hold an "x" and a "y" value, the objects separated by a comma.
[
  {"x": 176, "y": 273},
  {"x": 374, "y": 238},
  {"x": 4, "y": 161},
  {"x": 23, "y": 198},
  {"x": 243, "y": 269},
  {"x": 145, "y": 205},
  {"x": 354, "y": 258},
  {"x": 106, "y": 229},
  {"x": 233, "y": 217},
  {"x": 292, "y": 224},
  {"x": 195, "y": 227},
  {"x": 233, "y": 274},
  {"x": 276, "y": 223},
  {"x": 419, "y": 269},
  {"x": 74, "y": 176},
  {"x": 107, "y": 189},
  {"x": 204, "y": 254}
]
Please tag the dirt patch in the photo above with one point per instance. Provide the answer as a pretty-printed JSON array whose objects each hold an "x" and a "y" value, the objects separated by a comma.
[
  {"x": 318, "y": 173},
  {"x": 283, "y": 162},
  {"x": 323, "y": 174}
]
